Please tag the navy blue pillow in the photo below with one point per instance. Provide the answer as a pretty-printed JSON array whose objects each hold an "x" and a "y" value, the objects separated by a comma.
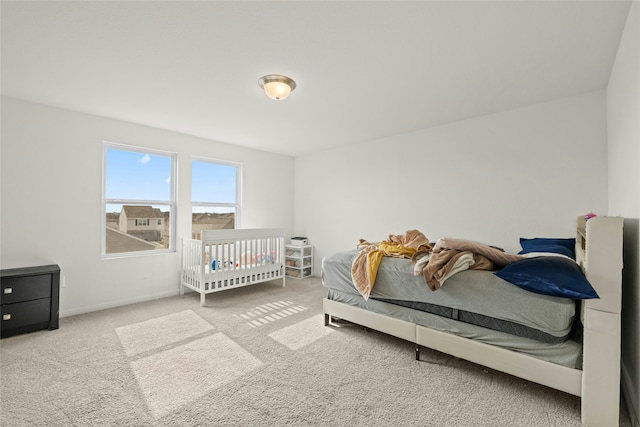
[
  {"x": 549, "y": 275},
  {"x": 552, "y": 245}
]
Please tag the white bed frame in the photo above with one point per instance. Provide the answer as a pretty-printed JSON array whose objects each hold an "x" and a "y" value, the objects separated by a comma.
[
  {"x": 226, "y": 259},
  {"x": 599, "y": 252}
]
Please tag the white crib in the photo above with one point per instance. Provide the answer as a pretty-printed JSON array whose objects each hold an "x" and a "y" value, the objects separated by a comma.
[{"x": 226, "y": 259}]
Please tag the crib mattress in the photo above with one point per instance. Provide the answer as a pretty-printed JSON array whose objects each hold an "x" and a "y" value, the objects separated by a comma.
[{"x": 475, "y": 297}]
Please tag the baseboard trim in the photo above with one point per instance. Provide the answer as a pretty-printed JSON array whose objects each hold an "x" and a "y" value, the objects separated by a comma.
[
  {"x": 630, "y": 396},
  {"x": 119, "y": 303}
]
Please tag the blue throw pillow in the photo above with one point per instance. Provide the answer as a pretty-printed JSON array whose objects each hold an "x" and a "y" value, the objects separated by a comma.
[
  {"x": 549, "y": 275},
  {"x": 552, "y": 245}
]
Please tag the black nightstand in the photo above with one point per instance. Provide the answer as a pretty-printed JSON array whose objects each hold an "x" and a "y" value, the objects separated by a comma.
[{"x": 30, "y": 299}]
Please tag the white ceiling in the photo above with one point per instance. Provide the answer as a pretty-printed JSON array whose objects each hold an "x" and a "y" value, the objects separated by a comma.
[{"x": 364, "y": 70}]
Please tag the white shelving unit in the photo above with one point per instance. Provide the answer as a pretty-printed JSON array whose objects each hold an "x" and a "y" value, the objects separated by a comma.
[{"x": 298, "y": 261}]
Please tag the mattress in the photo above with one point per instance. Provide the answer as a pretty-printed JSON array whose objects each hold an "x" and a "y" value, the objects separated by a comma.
[
  {"x": 475, "y": 297},
  {"x": 568, "y": 353}
]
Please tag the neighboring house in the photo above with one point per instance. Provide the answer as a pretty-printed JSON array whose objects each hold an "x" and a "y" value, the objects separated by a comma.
[
  {"x": 210, "y": 221},
  {"x": 144, "y": 222}
]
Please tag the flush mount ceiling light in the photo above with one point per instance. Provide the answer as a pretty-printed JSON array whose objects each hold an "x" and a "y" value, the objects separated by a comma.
[{"x": 276, "y": 86}]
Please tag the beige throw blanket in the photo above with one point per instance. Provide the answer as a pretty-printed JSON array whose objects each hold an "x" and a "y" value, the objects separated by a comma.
[{"x": 450, "y": 256}]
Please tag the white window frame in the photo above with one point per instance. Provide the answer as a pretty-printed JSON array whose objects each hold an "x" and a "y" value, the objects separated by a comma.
[
  {"x": 172, "y": 203},
  {"x": 237, "y": 205}
]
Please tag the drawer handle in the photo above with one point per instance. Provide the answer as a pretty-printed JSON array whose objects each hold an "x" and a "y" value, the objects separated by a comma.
[
  {"x": 8, "y": 290},
  {"x": 6, "y": 316}
]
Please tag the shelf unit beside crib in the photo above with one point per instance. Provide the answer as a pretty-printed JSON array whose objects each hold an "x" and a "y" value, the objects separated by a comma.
[{"x": 298, "y": 261}]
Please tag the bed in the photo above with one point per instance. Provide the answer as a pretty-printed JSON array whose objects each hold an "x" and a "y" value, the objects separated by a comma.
[
  {"x": 227, "y": 259},
  {"x": 568, "y": 344}
]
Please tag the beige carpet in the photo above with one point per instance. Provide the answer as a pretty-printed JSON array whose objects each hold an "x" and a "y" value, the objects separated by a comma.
[
  {"x": 174, "y": 378},
  {"x": 161, "y": 331},
  {"x": 254, "y": 356}
]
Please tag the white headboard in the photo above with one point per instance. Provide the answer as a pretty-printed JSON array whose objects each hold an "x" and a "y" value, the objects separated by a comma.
[{"x": 599, "y": 253}]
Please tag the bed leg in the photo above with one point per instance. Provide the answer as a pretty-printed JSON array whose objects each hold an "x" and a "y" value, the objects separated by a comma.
[
  {"x": 202, "y": 295},
  {"x": 418, "y": 352},
  {"x": 328, "y": 321}
]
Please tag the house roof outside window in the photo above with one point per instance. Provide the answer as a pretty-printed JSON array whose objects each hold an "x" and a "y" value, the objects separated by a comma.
[{"x": 142, "y": 212}]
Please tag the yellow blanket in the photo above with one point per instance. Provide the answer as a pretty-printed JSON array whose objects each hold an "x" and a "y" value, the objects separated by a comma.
[{"x": 365, "y": 266}]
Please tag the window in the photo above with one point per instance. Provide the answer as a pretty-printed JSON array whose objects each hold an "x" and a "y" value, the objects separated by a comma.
[
  {"x": 215, "y": 195},
  {"x": 138, "y": 200}
]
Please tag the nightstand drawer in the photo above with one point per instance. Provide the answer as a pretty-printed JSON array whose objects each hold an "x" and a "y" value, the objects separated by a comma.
[
  {"x": 18, "y": 289},
  {"x": 25, "y": 313}
]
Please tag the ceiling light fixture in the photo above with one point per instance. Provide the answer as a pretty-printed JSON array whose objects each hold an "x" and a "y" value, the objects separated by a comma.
[{"x": 276, "y": 86}]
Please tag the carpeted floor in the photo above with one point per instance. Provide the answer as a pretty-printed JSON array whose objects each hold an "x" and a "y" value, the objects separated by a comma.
[{"x": 254, "y": 356}]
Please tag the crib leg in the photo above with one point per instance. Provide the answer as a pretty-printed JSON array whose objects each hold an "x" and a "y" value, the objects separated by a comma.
[{"x": 202, "y": 295}]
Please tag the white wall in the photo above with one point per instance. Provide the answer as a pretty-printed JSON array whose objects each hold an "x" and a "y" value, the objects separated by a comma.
[
  {"x": 623, "y": 125},
  {"x": 525, "y": 172},
  {"x": 51, "y": 189}
]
